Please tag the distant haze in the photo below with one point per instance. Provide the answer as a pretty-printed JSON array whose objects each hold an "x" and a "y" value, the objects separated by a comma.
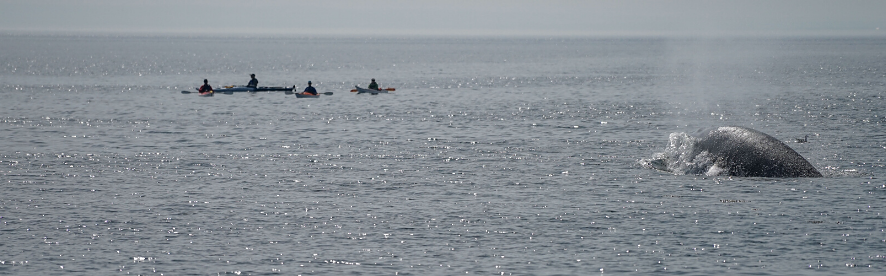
[{"x": 483, "y": 18}]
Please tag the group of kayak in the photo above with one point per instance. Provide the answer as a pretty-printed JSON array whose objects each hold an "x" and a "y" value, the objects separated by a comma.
[{"x": 252, "y": 86}]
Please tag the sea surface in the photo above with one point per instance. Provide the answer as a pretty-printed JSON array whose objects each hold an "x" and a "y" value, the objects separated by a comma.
[{"x": 494, "y": 156}]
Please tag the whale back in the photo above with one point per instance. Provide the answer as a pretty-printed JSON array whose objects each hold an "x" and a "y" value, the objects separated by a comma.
[
  {"x": 734, "y": 151},
  {"x": 741, "y": 151}
]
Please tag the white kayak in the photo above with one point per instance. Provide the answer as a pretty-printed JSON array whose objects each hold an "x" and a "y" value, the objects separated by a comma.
[{"x": 361, "y": 90}]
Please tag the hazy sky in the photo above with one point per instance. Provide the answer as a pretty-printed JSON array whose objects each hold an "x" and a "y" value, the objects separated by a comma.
[{"x": 448, "y": 17}]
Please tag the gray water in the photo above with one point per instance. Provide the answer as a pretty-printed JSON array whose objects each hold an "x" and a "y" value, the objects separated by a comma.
[{"x": 493, "y": 156}]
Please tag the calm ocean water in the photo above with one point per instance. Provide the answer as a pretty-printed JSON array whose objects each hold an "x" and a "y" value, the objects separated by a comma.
[{"x": 492, "y": 157}]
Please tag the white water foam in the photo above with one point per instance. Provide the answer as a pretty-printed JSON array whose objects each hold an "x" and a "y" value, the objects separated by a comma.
[{"x": 680, "y": 157}]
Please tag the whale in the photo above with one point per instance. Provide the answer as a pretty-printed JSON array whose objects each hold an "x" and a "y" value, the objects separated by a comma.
[{"x": 733, "y": 151}]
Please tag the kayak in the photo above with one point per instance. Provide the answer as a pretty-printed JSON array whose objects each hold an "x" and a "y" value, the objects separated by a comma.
[
  {"x": 303, "y": 95},
  {"x": 382, "y": 89},
  {"x": 203, "y": 94},
  {"x": 274, "y": 88},
  {"x": 252, "y": 89},
  {"x": 371, "y": 91},
  {"x": 235, "y": 89}
]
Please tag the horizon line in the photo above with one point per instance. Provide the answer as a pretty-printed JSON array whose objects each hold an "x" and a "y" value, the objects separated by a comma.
[{"x": 452, "y": 33}]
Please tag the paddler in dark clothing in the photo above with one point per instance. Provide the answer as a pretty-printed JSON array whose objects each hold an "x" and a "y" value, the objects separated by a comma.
[
  {"x": 253, "y": 82},
  {"x": 206, "y": 87},
  {"x": 373, "y": 85},
  {"x": 310, "y": 90}
]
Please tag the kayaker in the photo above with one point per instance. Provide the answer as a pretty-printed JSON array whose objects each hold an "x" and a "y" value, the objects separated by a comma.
[
  {"x": 253, "y": 82},
  {"x": 206, "y": 87},
  {"x": 310, "y": 89},
  {"x": 373, "y": 85}
]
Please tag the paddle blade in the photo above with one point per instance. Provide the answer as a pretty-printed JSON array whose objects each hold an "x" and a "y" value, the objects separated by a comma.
[
  {"x": 288, "y": 92},
  {"x": 327, "y": 93},
  {"x": 186, "y": 92}
]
